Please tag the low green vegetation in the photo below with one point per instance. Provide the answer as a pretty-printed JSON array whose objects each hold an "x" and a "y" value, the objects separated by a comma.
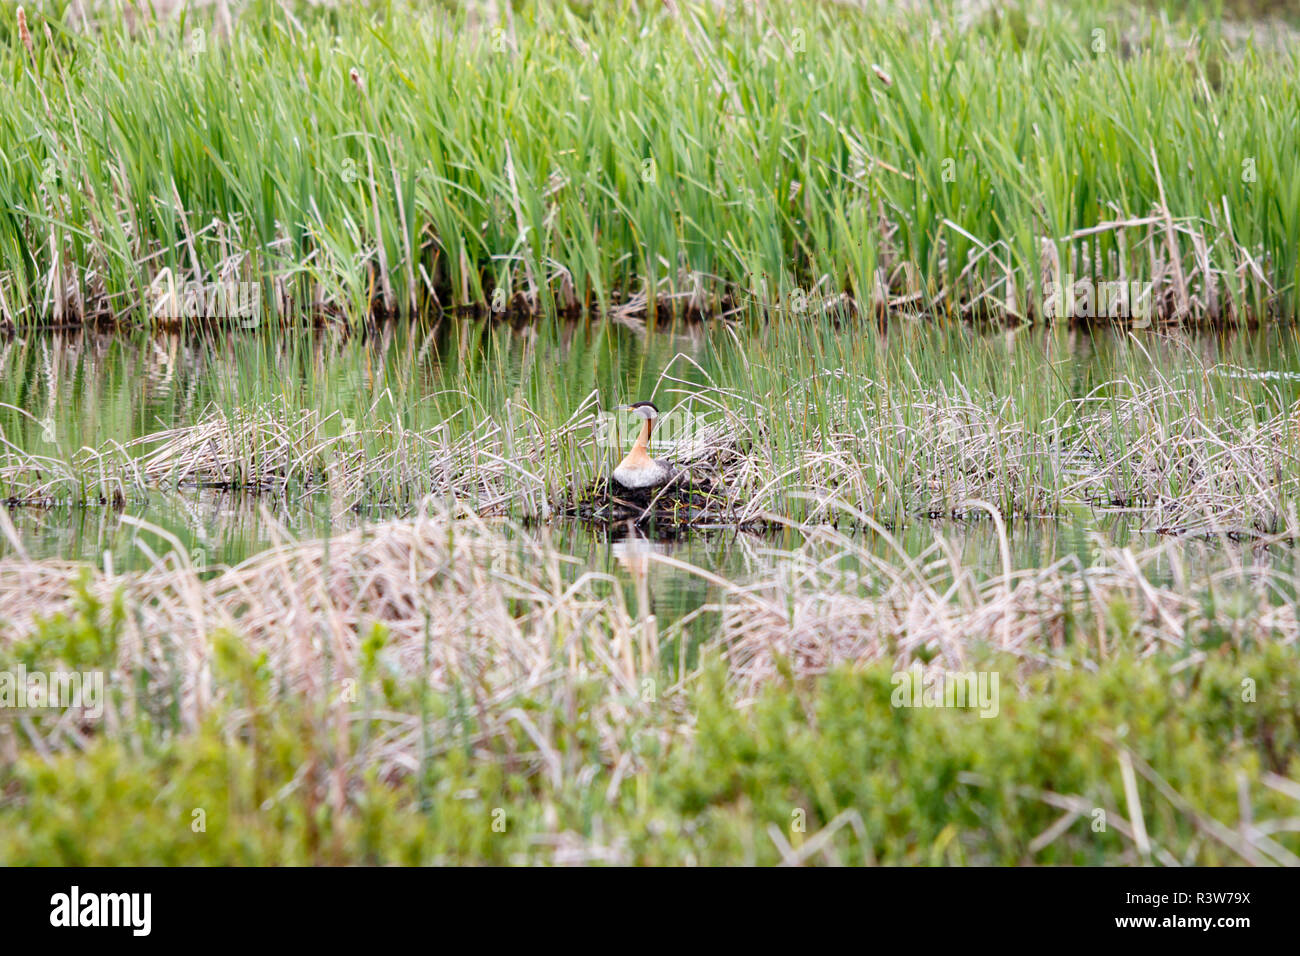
[
  {"x": 1153, "y": 760},
  {"x": 945, "y": 159}
]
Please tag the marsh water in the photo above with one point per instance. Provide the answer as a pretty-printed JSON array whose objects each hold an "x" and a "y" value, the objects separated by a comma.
[{"x": 60, "y": 392}]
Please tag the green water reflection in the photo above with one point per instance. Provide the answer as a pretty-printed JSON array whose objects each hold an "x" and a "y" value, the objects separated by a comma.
[{"x": 60, "y": 392}]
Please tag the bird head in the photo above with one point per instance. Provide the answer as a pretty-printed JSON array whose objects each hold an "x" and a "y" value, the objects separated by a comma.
[{"x": 645, "y": 410}]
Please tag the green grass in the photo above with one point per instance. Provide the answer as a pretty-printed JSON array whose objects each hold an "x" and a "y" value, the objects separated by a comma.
[
  {"x": 710, "y": 160},
  {"x": 458, "y": 691}
]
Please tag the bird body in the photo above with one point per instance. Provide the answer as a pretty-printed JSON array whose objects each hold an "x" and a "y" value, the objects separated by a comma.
[{"x": 638, "y": 471}]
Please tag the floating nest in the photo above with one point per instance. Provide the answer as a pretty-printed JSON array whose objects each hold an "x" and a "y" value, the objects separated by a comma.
[
  {"x": 702, "y": 494},
  {"x": 689, "y": 500},
  {"x": 683, "y": 501}
]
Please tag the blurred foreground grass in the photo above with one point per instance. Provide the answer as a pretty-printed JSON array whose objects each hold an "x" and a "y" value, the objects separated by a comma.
[{"x": 1175, "y": 760}]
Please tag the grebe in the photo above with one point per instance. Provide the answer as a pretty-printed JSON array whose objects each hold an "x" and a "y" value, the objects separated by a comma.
[{"x": 638, "y": 471}]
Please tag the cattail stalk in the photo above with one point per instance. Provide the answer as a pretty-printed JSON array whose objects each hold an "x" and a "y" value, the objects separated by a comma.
[{"x": 24, "y": 34}]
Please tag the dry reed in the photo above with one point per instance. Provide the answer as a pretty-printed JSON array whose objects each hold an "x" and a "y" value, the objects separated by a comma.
[{"x": 489, "y": 612}]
